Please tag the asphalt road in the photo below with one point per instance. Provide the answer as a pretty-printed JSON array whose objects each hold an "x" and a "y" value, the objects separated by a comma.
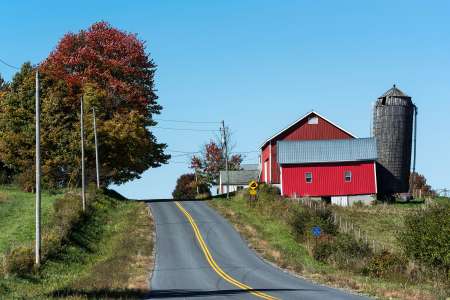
[{"x": 199, "y": 255}]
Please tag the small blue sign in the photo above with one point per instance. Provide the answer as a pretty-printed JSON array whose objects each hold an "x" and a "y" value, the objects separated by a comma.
[{"x": 316, "y": 231}]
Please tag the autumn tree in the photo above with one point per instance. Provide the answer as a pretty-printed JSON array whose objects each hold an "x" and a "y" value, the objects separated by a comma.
[
  {"x": 187, "y": 186},
  {"x": 212, "y": 160},
  {"x": 17, "y": 123},
  {"x": 110, "y": 69},
  {"x": 6, "y": 173},
  {"x": 419, "y": 183}
]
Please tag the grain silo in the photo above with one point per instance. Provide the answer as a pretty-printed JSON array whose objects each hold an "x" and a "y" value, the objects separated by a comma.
[{"x": 393, "y": 129}]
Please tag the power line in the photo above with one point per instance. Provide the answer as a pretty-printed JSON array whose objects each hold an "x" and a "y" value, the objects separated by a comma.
[
  {"x": 180, "y": 155},
  {"x": 6, "y": 64},
  {"x": 184, "y": 121},
  {"x": 244, "y": 152},
  {"x": 187, "y": 129},
  {"x": 186, "y": 152}
]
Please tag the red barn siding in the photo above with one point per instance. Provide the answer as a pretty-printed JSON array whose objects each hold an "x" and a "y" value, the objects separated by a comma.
[
  {"x": 324, "y": 130},
  {"x": 265, "y": 157},
  {"x": 328, "y": 179}
]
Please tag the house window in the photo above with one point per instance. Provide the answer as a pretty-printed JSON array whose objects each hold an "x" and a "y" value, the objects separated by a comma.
[
  {"x": 313, "y": 120},
  {"x": 308, "y": 177},
  {"x": 348, "y": 176}
]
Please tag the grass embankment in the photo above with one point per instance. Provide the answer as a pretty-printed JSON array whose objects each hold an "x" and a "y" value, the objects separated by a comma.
[
  {"x": 267, "y": 229},
  {"x": 382, "y": 222},
  {"x": 106, "y": 255},
  {"x": 17, "y": 215}
]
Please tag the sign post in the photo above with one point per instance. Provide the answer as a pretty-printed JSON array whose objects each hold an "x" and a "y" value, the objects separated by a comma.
[
  {"x": 252, "y": 187},
  {"x": 316, "y": 231}
]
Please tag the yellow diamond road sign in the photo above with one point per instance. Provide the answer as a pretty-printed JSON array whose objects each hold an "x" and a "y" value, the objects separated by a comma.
[{"x": 253, "y": 185}]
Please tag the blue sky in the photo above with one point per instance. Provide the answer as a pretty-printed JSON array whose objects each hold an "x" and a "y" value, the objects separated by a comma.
[{"x": 259, "y": 65}]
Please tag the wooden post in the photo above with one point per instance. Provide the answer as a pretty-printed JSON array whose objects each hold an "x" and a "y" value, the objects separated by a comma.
[
  {"x": 38, "y": 177},
  {"x": 83, "y": 180}
]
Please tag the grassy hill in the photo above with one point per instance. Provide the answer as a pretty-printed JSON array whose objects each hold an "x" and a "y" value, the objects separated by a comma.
[
  {"x": 17, "y": 211},
  {"x": 106, "y": 254},
  {"x": 267, "y": 227}
]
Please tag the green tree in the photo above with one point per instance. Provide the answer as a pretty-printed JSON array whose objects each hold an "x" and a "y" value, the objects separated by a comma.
[
  {"x": 17, "y": 122},
  {"x": 426, "y": 236}
]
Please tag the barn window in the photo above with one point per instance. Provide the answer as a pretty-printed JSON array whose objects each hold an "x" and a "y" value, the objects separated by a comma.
[
  {"x": 308, "y": 177},
  {"x": 348, "y": 176},
  {"x": 313, "y": 120}
]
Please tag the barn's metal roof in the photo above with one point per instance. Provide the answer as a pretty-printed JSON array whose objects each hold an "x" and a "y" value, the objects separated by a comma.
[
  {"x": 242, "y": 177},
  {"x": 324, "y": 151}
]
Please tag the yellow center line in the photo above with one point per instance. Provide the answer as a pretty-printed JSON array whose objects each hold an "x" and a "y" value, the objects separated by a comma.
[{"x": 213, "y": 263}]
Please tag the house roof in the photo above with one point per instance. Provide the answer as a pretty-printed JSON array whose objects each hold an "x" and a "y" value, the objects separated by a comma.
[
  {"x": 249, "y": 167},
  {"x": 301, "y": 119},
  {"x": 325, "y": 151},
  {"x": 241, "y": 177}
]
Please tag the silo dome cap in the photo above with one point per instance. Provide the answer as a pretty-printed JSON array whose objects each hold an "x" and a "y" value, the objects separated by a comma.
[{"x": 394, "y": 92}]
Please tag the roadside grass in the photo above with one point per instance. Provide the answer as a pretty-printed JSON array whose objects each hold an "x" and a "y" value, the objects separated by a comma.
[
  {"x": 108, "y": 256},
  {"x": 272, "y": 238},
  {"x": 17, "y": 215}
]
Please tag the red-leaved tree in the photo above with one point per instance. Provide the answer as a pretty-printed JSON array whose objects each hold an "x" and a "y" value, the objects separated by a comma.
[
  {"x": 111, "y": 70},
  {"x": 211, "y": 161}
]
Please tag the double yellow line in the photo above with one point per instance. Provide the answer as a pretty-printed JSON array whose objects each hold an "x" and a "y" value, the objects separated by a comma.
[{"x": 213, "y": 263}]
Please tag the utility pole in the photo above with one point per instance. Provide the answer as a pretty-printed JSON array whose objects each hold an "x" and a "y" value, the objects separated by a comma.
[
  {"x": 38, "y": 176},
  {"x": 97, "y": 165},
  {"x": 83, "y": 182},
  {"x": 225, "y": 145},
  {"x": 413, "y": 179},
  {"x": 196, "y": 181}
]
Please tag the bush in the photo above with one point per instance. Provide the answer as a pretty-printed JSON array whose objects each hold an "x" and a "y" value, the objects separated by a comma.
[
  {"x": 300, "y": 222},
  {"x": 268, "y": 189},
  {"x": 387, "y": 265},
  {"x": 303, "y": 220},
  {"x": 186, "y": 187},
  {"x": 344, "y": 251},
  {"x": 426, "y": 235},
  {"x": 67, "y": 212},
  {"x": 6, "y": 174},
  {"x": 323, "y": 250},
  {"x": 19, "y": 261},
  {"x": 347, "y": 245},
  {"x": 26, "y": 180},
  {"x": 203, "y": 196}
]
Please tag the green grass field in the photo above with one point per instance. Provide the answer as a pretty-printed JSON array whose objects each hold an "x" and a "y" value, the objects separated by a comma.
[
  {"x": 273, "y": 239},
  {"x": 17, "y": 215},
  {"x": 107, "y": 257}
]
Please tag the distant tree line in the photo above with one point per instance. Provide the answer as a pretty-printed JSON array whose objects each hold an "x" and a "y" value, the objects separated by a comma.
[{"x": 113, "y": 73}]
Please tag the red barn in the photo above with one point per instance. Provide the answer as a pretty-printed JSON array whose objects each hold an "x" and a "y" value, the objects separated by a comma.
[
  {"x": 312, "y": 126},
  {"x": 315, "y": 157}
]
